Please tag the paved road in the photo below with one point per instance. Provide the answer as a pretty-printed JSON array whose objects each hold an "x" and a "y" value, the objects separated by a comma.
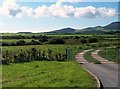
[
  {"x": 107, "y": 73},
  {"x": 80, "y": 57},
  {"x": 99, "y": 58}
]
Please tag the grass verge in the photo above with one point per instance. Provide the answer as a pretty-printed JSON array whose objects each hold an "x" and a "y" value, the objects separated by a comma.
[
  {"x": 89, "y": 58},
  {"x": 46, "y": 74}
]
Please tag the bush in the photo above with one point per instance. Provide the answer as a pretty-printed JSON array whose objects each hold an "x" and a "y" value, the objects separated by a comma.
[
  {"x": 76, "y": 37},
  {"x": 43, "y": 39},
  {"x": 56, "y": 41},
  {"x": 83, "y": 40},
  {"x": 5, "y": 44},
  {"x": 21, "y": 42},
  {"x": 12, "y": 44},
  {"x": 33, "y": 42},
  {"x": 32, "y": 55},
  {"x": 92, "y": 40}
]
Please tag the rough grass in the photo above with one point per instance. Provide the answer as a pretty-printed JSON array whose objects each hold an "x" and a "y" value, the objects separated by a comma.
[
  {"x": 89, "y": 58},
  {"x": 46, "y": 74},
  {"x": 111, "y": 54}
]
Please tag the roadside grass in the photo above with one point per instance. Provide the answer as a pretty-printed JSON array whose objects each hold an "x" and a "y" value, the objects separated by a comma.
[
  {"x": 89, "y": 58},
  {"x": 46, "y": 74},
  {"x": 111, "y": 54}
]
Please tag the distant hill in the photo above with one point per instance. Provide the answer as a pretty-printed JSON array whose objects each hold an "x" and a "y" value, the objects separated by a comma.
[
  {"x": 112, "y": 26},
  {"x": 64, "y": 31},
  {"x": 98, "y": 29},
  {"x": 101, "y": 29},
  {"x": 24, "y": 32}
]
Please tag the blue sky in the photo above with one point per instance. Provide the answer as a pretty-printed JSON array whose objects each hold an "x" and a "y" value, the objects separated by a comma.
[{"x": 34, "y": 17}]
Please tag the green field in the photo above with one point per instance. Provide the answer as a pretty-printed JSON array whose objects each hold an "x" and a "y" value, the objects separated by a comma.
[
  {"x": 112, "y": 54},
  {"x": 103, "y": 40},
  {"x": 36, "y": 34},
  {"x": 46, "y": 74},
  {"x": 14, "y": 40}
]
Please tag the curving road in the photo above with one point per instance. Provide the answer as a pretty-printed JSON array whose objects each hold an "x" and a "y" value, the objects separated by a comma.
[{"x": 107, "y": 72}]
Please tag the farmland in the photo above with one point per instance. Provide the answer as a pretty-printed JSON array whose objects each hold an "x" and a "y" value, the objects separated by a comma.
[
  {"x": 12, "y": 43},
  {"x": 47, "y": 60}
]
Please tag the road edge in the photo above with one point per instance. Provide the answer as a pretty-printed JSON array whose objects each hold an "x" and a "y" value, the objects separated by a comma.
[{"x": 99, "y": 85}]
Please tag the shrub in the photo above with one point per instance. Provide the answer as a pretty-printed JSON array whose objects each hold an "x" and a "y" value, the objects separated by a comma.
[
  {"x": 50, "y": 54},
  {"x": 56, "y": 41},
  {"x": 83, "y": 40},
  {"x": 5, "y": 44},
  {"x": 33, "y": 54},
  {"x": 92, "y": 40},
  {"x": 43, "y": 39},
  {"x": 33, "y": 42},
  {"x": 76, "y": 37},
  {"x": 21, "y": 42},
  {"x": 12, "y": 44}
]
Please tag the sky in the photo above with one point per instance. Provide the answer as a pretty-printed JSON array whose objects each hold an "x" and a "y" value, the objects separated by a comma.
[{"x": 39, "y": 16}]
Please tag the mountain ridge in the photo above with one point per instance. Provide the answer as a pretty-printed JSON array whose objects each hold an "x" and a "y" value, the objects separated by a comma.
[{"x": 114, "y": 26}]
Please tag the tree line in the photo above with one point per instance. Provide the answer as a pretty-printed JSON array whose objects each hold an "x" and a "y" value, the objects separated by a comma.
[{"x": 52, "y": 40}]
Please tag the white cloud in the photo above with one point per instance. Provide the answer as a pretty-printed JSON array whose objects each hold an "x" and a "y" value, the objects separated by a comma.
[{"x": 11, "y": 9}]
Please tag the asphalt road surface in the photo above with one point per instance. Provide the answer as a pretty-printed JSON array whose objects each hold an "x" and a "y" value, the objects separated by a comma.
[{"x": 107, "y": 73}]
